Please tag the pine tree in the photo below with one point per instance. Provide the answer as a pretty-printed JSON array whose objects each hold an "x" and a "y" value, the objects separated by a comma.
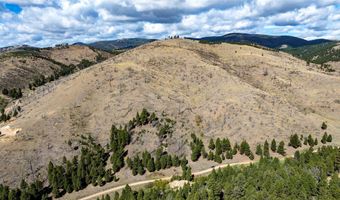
[
  {"x": 218, "y": 147},
  {"x": 127, "y": 193},
  {"x": 259, "y": 150},
  {"x": 266, "y": 149},
  {"x": 141, "y": 170},
  {"x": 245, "y": 148},
  {"x": 211, "y": 144},
  {"x": 324, "y": 138},
  {"x": 196, "y": 153},
  {"x": 235, "y": 149},
  {"x": 310, "y": 140},
  {"x": 251, "y": 156},
  {"x": 211, "y": 155},
  {"x": 158, "y": 164},
  {"x": 217, "y": 158},
  {"x": 316, "y": 141},
  {"x": 229, "y": 154},
  {"x": 225, "y": 145},
  {"x": 108, "y": 177},
  {"x": 329, "y": 138},
  {"x": 305, "y": 141},
  {"x": 294, "y": 141},
  {"x": 281, "y": 148},
  {"x": 273, "y": 145},
  {"x": 323, "y": 126},
  {"x": 151, "y": 165}
]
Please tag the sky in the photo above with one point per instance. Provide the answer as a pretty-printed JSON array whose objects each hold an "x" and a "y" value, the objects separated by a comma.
[{"x": 48, "y": 22}]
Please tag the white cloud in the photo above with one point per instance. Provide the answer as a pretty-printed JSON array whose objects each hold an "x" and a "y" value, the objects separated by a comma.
[{"x": 45, "y": 22}]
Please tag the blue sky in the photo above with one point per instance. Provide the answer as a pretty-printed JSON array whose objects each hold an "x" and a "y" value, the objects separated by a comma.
[{"x": 48, "y": 22}]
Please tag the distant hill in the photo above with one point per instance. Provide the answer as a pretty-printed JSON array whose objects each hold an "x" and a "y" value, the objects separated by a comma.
[
  {"x": 318, "y": 53},
  {"x": 263, "y": 40},
  {"x": 127, "y": 43},
  {"x": 22, "y": 65}
]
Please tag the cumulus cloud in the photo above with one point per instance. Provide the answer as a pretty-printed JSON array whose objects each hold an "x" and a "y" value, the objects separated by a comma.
[{"x": 47, "y": 22}]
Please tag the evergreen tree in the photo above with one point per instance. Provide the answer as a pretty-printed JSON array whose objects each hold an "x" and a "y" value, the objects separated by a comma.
[
  {"x": 273, "y": 145},
  {"x": 305, "y": 141},
  {"x": 158, "y": 164},
  {"x": 229, "y": 154},
  {"x": 281, "y": 148},
  {"x": 310, "y": 140},
  {"x": 329, "y": 138},
  {"x": 218, "y": 150},
  {"x": 294, "y": 141},
  {"x": 226, "y": 145},
  {"x": 266, "y": 149},
  {"x": 211, "y": 155},
  {"x": 323, "y": 126},
  {"x": 235, "y": 149},
  {"x": 251, "y": 156},
  {"x": 217, "y": 158},
  {"x": 211, "y": 144},
  {"x": 151, "y": 165},
  {"x": 127, "y": 193},
  {"x": 259, "y": 150},
  {"x": 196, "y": 153},
  {"x": 324, "y": 138},
  {"x": 245, "y": 148}
]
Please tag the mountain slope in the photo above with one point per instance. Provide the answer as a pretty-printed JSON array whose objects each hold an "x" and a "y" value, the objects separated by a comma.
[
  {"x": 21, "y": 66},
  {"x": 127, "y": 43},
  {"x": 263, "y": 40},
  {"x": 242, "y": 92}
]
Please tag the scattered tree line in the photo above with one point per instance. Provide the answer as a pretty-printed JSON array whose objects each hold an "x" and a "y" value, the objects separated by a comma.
[
  {"x": 63, "y": 71},
  {"x": 265, "y": 151},
  {"x": 295, "y": 141},
  {"x": 219, "y": 150},
  {"x": 14, "y": 93},
  {"x": 311, "y": 175},
  {"x": 4, "y": 117},
  {"x": 164, "y": 126},
  {"x": 162, "y": 160}
]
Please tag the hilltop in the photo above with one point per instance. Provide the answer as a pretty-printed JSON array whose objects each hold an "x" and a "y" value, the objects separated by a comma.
[
  {"x": 221, "y": 90},
  {"x": 126, "y": 43},
  {"x": 276, "y": 42}
]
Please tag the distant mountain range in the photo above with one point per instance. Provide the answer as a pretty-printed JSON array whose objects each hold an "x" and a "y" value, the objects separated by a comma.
[
  {"x": 110, "y": 45},
  {"x": 263, "y": 40}
]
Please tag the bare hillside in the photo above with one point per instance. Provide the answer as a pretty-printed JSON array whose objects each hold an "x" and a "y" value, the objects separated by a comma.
[
  {"x": 219, "y": 90},
  {"x": 19, "y": 67}
]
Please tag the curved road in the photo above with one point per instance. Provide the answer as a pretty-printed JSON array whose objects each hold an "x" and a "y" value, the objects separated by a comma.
[{"x": 139, "y": 183}]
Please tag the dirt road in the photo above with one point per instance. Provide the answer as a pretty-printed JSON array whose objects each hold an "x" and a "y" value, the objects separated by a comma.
[{"x": 139, "y": 183}]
